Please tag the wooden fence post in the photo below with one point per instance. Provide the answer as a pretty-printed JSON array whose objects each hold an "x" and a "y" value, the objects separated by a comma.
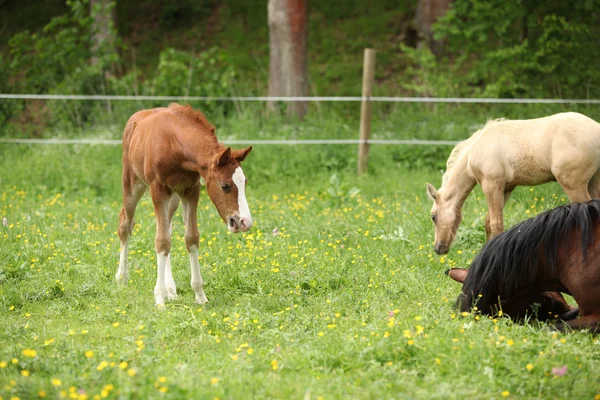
[{"x": 365, "y": 109}]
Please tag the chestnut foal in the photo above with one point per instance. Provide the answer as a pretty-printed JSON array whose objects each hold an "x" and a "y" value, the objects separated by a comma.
[{"x": 168, "y": 150}]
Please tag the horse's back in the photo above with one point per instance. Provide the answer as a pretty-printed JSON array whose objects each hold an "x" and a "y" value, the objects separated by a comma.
[{"x": 526, "y": 151}]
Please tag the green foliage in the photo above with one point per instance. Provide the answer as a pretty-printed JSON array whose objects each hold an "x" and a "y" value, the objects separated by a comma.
[
  {"x": 208, "y": 73},
  {"x": 523, "y": 48}
]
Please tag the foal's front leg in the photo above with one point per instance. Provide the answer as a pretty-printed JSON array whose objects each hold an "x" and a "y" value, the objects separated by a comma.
[
  {"x": 496, "y": 197},
  {"x": 160, "y": 200},
  {"x": 189, "y": 203}
]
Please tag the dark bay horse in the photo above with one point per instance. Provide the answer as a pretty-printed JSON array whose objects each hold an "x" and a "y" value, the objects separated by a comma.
[
  {"x": 168, "y": 150},
  {"x": 534, "y": 261}
]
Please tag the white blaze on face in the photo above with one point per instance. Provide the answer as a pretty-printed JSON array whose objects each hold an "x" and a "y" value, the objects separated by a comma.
[{"x": 240, "y": 181}]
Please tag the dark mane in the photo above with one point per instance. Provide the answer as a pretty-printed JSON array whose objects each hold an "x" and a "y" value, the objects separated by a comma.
[
  {"x": 508, "y": 263},
  {"x": 196, "y": 115}
]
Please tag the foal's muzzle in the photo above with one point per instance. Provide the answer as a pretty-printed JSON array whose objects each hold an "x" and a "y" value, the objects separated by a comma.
[
  {"x": 441, "y": 248},
  {"x": 236, "y": 224}
]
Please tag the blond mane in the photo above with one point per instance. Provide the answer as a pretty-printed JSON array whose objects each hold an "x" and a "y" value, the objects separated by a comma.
[
  {"x": 462, "y": 146},
  {"x": 196, "y": 115}
]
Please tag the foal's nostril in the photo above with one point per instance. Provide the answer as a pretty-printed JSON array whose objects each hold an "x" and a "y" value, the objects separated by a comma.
[
  {"x": 232, "y": 223},
  {"x": 245, "y": 224}
]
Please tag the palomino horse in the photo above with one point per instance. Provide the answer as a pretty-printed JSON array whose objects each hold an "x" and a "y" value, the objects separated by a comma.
[
  {"x": 556, "y": 251},
  {"x": 504, "y": 154},
  {"x": 168, "y": 150}
]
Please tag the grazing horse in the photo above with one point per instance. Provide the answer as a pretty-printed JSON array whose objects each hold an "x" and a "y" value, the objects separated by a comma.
[
  {"x": 168, "y": 150},
  {"x": 556, "y": 251},
  {"x": 504, "y": 154}
]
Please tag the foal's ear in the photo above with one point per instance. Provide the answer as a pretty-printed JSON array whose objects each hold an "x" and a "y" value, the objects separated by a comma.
[
  {"x": 240, "y": 155},
  {"x": 458, "y": 274},
  {"x": 222, "y": 158},
  {"x": 431, "y": 192}
]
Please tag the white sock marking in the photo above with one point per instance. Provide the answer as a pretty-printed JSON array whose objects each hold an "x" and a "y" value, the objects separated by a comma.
[
  {"x": 121, "y": 276},
  {"x": 197, "y": 282},
  {"x": 160, "y": 290},
  {"x": 240, "y": 181}
]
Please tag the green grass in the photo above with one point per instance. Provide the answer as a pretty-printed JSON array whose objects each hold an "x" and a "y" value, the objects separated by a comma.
[{"x": 348, "y": 300}]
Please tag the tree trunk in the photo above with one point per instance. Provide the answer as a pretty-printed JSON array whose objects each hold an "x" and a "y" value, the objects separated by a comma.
[
  {"x": 103, "y": 29},
  {"x": 288, "y": 37},
  {"x": 428, "y": 12}
]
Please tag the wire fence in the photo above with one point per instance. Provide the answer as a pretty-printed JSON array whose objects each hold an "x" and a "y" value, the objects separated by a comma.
[
  {"x": 472, "y": 100},
  {"x": 456, "y": 100}
]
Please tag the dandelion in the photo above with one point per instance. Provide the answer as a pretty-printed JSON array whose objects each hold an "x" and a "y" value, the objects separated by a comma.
[
  {"x": 56, "y": 382},
  {"x": 29, "y": 353},
  {"x": 3, "y": 364},
  {"x": 42, "y": 394},
  {"x": 115, "y": 324},
  {"x": 529, "y": 367},
  {"x": 214, "y": 381},
  {"x": 123, "y": 364},
  {"x": 438, "y": 362},
  {"x": 25, "y": 373},
  {"x": 163, "y": 389},
  {"x": 89, "y": 354},
  {"x": 274, "y": 365},
  {"x": 14, "y": 361},
  {"x": 102, "y": 365},
  {"x": 131, "y": 372},
  {"x": 505, "y": 393}
]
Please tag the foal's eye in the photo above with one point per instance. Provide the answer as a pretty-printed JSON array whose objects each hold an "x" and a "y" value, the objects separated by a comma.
[
  {"x": 226, "y": 186},
  {"x": 433, "y": 218}
]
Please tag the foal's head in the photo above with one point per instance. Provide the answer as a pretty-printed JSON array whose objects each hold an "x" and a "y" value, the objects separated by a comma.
[
  {"x": 226, "y": 187},
  {"x": 446, "y": 217}
]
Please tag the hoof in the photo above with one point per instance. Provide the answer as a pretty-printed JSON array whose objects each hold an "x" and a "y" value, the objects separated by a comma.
[
  {"x": 121, "y": 279},
  {"x": 201, "y": 298},
  {"x": 171, "y": 293}
]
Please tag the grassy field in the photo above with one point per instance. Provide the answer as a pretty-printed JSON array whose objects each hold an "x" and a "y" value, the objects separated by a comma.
[{"x": 333, "y": 294}]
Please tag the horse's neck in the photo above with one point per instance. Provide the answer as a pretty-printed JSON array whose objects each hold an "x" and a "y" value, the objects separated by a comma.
[
  {"x": 457, "y": 182},
  {"x": 200, "y": 153}
]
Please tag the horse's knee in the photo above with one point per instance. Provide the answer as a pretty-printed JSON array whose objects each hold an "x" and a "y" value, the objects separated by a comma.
[
  {"x": 162, "y": 243},
  {"x": 192, "y": 239}
]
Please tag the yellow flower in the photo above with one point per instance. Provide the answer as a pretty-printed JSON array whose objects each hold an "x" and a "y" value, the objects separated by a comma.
[
  {"x": 529, "y": 367},
  {"x": 42, "y": 394},
  {"x": 102, "y": 365},
  {"x": 25, "y": 373},
  {"x": 250, "y": 351},
  {"x": 123, "y": 364},
  {"x": 163, "y": 389},
  {"x": 131, "y": 372},
  {"x": 3, "y": 364},
  {"x": 505, "y": 393},
  {"x": 214, "y": 381},
  {"x": 321, "y": 334},
  {"x": 510, "y": 342},
  {"x": 162, "y": 379},
  {"x": 115, "y": 324},
  {"x": 29, "y": 353},
  {"x": 89, "y": 354},
  {"x": 411, "y": 342},
  {"x": 274, "y": 364},
  {"x": 56, "y": 382},
  {"x": 438, "y": 362}
]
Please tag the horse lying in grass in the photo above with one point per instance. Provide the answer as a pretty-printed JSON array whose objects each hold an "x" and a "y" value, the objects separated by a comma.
[
  {"x": 168, "y": 150},
  {"x": 556, "y": 251},
  {"x": 504, "y": 154}
]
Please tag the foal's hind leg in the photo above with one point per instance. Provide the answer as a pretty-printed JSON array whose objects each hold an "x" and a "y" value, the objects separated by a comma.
[
  {"x": 160, "y": 199},
  {"x": 133, "y": 189},
  {"x": 594, "y": 186},
  {"x": 169, "y": 281},
  {"x": 189, "y": 202}
]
